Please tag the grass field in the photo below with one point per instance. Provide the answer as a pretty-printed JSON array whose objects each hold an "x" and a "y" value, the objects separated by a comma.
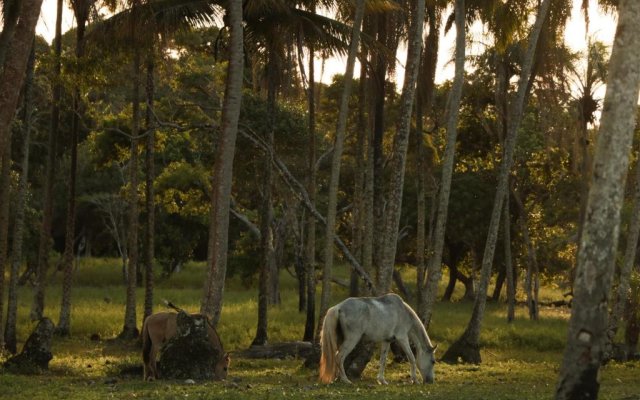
[{"x": 520, "y": 360}]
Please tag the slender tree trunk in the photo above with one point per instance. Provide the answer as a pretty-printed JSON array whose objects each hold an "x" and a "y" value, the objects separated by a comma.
[
  {"x": 12, "y": 9},
  {"x": 18, "y": 230},
  {"x": 531, "y": 280},
  {"x": 434, "y": 268},
  {"x": 149, "y": 191},
  {"x": 266, "y": 213},
  {"x": 508, "y": 263},
  {"x": 426, "y": 93},
  {"x": 211, "y": 303},
  {"x": 5, "y": 191},
  {"x": 336, "y": 162},
  {"x": 377, "y": 143},
  {"x": 310, "y": 248},
  {"x": 64, "y": 323},
  {"x": 467, "y": 347},
  {"x": 579, "y": 373},
  {"x": 359, "y": 213},
  {"x": 399, "y": 155},
  {"x": 623, "y": 293},
  {"x": 130, "y": 330},
  {"x": 44, "y": 244},
  {"x": 502, "y": 84}
]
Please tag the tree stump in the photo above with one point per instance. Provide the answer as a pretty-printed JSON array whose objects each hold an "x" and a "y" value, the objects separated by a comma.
[
  {"x": 189, "y": 354},
  {"x": 358, "y": 359},
  {"x": 463, "y": 350},
  {"x": 355, "y": 363},
  {"x": 36, "y": 353}
]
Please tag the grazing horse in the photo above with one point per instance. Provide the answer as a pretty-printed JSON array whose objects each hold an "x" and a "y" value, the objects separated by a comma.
[
  {"x": 159, "y": 328},
  {"x": 382, "y": 320}
]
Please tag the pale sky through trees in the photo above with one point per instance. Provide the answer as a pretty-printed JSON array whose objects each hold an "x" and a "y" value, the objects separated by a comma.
[{"x": 602, "y": 27}]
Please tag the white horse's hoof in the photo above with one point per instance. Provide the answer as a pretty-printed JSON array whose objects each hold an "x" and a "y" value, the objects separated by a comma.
[{"x": 382, "y": 381}]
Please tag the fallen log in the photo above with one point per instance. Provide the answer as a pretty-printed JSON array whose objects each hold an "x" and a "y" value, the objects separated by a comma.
[{"x": 280, "y": 350}]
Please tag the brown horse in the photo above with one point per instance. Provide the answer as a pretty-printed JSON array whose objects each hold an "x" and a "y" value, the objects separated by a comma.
[{"x": 159, "y": 328}]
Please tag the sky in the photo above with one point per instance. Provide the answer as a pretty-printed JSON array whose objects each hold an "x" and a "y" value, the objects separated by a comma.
[{"x": 602, "y": 27}]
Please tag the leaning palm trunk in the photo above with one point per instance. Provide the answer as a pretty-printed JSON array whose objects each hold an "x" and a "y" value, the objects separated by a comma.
[
  {"x": 336, "y": 162},
  {"x": 467, "y": 347},
  {"x": 399, "y": 155},
  {"x": 19, "y": 224},
  {"x": 434, "y": 268},
  {"x": 211, "y": 303},
  {"x": 597, "y": 252},
  {"x": 64, "y": 324}
]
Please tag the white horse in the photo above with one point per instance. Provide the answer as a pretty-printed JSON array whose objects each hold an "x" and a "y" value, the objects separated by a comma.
[{"x": 382, "y": 320}]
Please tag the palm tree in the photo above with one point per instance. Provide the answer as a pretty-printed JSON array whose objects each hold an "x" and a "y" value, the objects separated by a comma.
[
  {"x": 81, "y": 9},
  {"x": 424, "y": 103},
  {"x": 336, "y": 162},
  {"x": 434, "y": 269},
  {"x": 596, "y": 254},
  {"x": 18, "y": 232},
  {"x": 211, "y": 303},
  {"x": 5, "y": 188},
  {"x": 130, "y": 330},
  {"x": 149, "y": 244},
  {"x": 399, "y": 154},
  {"x": 44, "y": 244},
  {"x": 467, "y": 346},
  {"x": 10, "y": 14}
]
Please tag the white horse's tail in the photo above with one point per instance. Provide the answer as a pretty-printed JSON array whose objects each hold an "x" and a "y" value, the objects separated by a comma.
[{"x": 329, "y": 345}]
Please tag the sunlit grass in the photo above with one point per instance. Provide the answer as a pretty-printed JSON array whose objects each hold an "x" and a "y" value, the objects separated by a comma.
[{"x": 520, "y": 359}]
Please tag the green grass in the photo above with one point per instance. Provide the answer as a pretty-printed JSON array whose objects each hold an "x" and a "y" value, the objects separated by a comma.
[{"x": 520, "y": 360}]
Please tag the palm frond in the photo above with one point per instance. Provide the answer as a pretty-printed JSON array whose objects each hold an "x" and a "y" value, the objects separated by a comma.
[{"x": 153, "y": 18}]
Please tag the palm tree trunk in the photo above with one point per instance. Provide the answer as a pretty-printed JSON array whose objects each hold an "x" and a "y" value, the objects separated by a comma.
[
  {"x": 64, "y": 323},
  {"x": 211, "y": 303},
  {"x": 467, "y": 347},
  {"x": 266, "y": 213},
  {"x": 19, "y": 224},
  {"x": 336, "y": 162},
  {"x": 434, "y": 268},
  {"x": 623, "y": 293},
  {"x": 579, "y": 373},
  {"x": 149, "y": 191},
  {"x": 5, "y": 189},
  {"x": 426, "y": 93},
  {"x": 399, "y": 155},
  {"x": 9, "y": 22},
  {"x": 508, "y": 263},
  {"x": 531, "y": 280},
  {"x": 310, "y": 249},
  {"x": 130, "y": 330},
  {"x": 44, "y": 244}
]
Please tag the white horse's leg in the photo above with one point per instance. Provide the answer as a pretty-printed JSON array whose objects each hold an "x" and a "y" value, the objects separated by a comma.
[
  {"x": 347, "y": 346},
  {"x": 406, "y": 347},
  {"x": 384, "y": 349}
]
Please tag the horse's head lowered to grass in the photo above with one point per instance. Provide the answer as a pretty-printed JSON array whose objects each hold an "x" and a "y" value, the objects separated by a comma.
[{"x": 426, "y": 360}]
